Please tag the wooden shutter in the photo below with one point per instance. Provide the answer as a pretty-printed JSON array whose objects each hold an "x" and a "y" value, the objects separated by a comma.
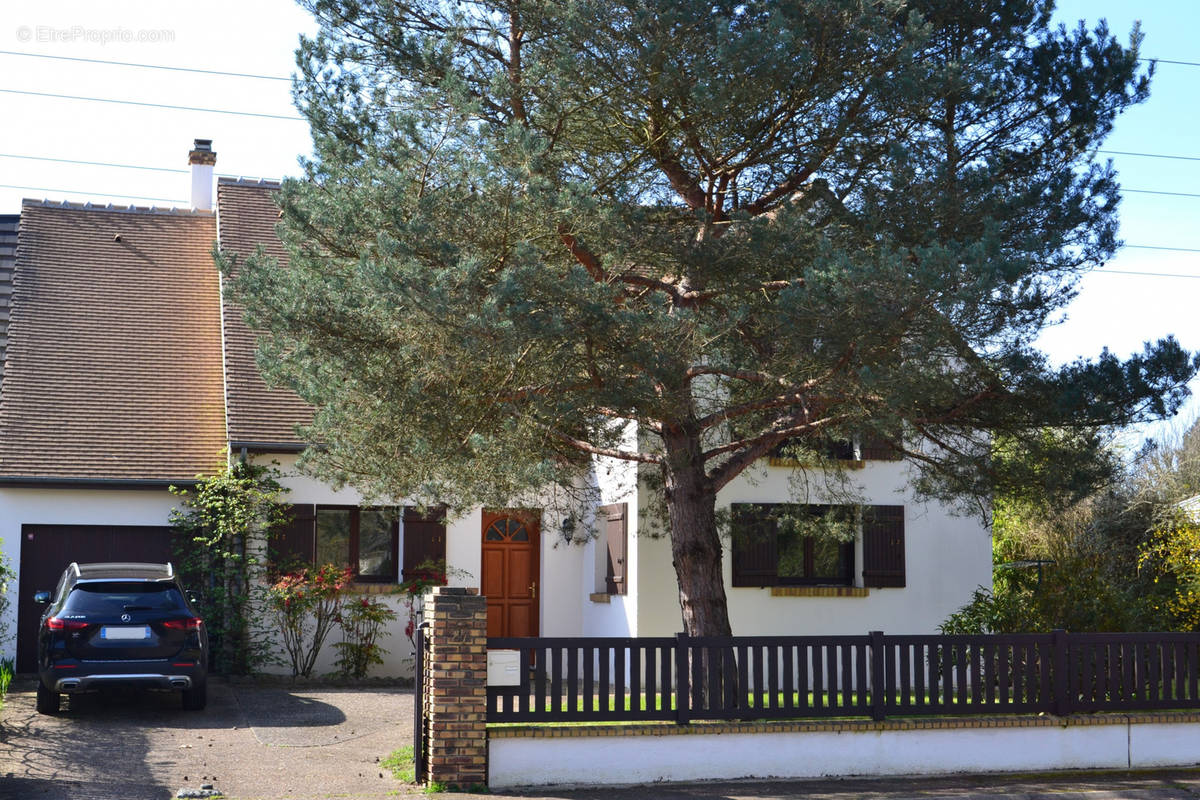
[
  {"x": 883, "y": 546},
  {"x": 424, "y": 542},
  {"x": 831, "y": 448},
  {"x": 755, "y": 550},
  {"x": 616, "y": 538},
  {"x": 295, "y": 544},
  {"x": 877, "y": 448}
]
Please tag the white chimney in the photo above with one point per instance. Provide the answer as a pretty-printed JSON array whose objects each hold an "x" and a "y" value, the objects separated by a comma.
[{"x": 202, "y": 160}]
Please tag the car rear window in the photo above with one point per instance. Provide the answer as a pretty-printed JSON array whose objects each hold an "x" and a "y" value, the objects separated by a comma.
[{"x": 117, "y": 597}]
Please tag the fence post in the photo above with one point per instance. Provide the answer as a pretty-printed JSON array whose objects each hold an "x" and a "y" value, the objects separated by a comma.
[
  {"x": 419, "y": 689},
  {"x": 456, "y": 687},
  {"x": 1061, "y": 674},
  {"x": 878, "y": 679},
  {"x": 683, "y": 680}
]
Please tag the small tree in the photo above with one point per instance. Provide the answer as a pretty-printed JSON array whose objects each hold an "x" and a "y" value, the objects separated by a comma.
[
  {"x": 1121, "y": 558},
  {"x": 362, "y": 621},
  {"x": 305, "y": 608},
  {"x": 223, "y": 518}
]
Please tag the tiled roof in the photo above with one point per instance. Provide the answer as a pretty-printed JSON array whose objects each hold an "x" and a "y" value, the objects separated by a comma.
[
  {"x": 8, "y": 258},
  {"x": 114, "y": 355},
  {"x": 256, "y": 413}
]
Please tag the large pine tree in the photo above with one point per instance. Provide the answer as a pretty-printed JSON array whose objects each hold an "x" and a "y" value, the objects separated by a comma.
[{"x": 733, "y": 223}]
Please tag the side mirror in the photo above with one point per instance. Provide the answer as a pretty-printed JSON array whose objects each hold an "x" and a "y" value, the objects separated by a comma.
[{"x": 41, "y": 597}]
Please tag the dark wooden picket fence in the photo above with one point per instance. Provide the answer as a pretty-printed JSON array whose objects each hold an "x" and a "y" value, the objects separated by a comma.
[{"x": 683, "y": 678}]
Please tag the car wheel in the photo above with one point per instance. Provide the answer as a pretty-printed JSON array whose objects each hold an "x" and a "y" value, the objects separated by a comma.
[
  {"x": 47, "y": 701},
  {"x": 196, "y": 698}
]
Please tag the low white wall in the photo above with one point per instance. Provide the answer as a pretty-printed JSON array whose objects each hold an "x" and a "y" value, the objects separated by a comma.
[
  {"x": 1163, "y": 745},
  {"x": 636, "y": 759}
]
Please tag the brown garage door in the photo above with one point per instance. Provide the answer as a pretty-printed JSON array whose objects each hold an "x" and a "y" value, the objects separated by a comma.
[{"x": 46, "y": 550}]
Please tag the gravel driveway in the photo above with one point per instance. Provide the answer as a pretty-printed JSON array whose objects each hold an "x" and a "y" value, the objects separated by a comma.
[{"x": 252, "y": 742}]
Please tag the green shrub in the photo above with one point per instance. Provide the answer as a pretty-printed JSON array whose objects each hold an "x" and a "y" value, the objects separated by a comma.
[
  {"x": 362, "y": 621},
  {"x": 305, "y": 608},
  {"x": 6, "y": 674}
]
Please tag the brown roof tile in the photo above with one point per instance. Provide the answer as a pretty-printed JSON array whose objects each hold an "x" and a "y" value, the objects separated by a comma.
[
  {"x": 114, "y": 354},
  {"x": 256, "y": 413},
  {"x": 8, "y": 259}
]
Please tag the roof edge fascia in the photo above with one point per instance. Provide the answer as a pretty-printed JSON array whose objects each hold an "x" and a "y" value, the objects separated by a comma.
[
  {"x": 267, "y": 447},
  {"x": 55, "y": 482}
]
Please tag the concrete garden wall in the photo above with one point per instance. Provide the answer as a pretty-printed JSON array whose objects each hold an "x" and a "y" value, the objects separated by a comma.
[{"x": 615, "y": 755}]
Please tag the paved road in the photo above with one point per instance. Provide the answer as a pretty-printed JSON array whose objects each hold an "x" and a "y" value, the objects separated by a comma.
[
  {"x": 258, "y": 742},
  {"x": 1174, "y": 785}
]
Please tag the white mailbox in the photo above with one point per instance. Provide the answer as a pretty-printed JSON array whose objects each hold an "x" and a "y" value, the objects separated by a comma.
[{"x": 504, "y": 667}]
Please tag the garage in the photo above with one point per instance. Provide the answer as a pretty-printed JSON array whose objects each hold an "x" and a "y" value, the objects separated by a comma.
[{"x": 46, "y": 550}]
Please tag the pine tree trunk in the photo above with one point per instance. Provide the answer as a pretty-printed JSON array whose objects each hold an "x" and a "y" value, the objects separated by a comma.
[{"x": 695, "y": 544}]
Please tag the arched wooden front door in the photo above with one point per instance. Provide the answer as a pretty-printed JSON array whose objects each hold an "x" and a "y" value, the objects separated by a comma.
[{"x": 510, "y": 544}]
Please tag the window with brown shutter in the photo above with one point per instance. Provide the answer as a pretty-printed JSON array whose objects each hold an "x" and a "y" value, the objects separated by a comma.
[
  {"x": 877, "y": 448},
  {"x": 794, "y": 450},
  {"x": 870, "y": 447},
  {"x": 614, "y": 532},
  {"x": 771, "y": 548},
  {"x": 883, "y": 546},
  {"x": 754, "y": 554},
  {"x": 294, "y": 545},
  {"x": 363, "y": 539},
  {"x": 424, "y": 544}
]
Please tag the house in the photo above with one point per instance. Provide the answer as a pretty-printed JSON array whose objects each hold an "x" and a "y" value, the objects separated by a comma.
[{"x": 127, "y": 371}]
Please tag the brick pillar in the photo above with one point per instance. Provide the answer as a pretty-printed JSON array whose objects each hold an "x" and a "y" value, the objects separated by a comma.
[{"x": 455, "y": 690}]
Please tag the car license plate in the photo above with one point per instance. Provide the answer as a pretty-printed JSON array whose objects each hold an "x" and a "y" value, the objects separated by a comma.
[{"x": 125, "y": 632}]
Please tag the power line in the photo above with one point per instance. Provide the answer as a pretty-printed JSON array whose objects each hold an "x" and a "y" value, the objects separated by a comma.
[
  {"x": 78, "y": 192},
  {"x": 148, "y": 66},
  {"x": 1148, "y": 155},
  {"x": 171, "y": 169},
  {"x": 1157, "y": 247},
  {"x": 256, "y": 76},
  {"x": 90, "y": 163},
  {"x": 120, "y": 166},
  {"x": 1169, "y": 61},
  {"x": 153, "y": 105},
  {"x": 1168, "y": 194},
  {"x": 1143, "y": 274},
  {"x": 93, "y": 194},
  {"x": 177, "y": 171}
]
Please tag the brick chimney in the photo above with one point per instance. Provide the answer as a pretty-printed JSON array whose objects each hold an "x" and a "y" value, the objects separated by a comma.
[{"x": 202, "y": 160}]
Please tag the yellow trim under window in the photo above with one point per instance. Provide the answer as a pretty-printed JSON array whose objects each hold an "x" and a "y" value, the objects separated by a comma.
[{"x": 819, "y": 591}]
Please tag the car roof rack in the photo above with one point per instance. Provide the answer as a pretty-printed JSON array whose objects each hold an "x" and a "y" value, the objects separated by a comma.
[
  {"x": 108, "y": 570},
  {"x": 74, "y": 567}
]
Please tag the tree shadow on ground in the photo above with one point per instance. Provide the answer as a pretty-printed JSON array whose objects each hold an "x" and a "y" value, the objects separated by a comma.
[
  {"x": 282, "y": 708},
  {"x": 94, "y": 748}
]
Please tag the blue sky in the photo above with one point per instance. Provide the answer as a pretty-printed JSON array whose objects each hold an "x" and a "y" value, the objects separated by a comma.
[
  {"x": 1118, "y": 310},
  {"x": 1114, "y": 309}
]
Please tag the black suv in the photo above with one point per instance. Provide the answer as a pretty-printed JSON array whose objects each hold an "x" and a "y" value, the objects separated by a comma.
[{"x": 113, "y": 625}]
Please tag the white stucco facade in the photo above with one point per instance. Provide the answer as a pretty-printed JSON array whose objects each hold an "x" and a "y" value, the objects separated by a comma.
[{"x": 946, "y": 558}]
